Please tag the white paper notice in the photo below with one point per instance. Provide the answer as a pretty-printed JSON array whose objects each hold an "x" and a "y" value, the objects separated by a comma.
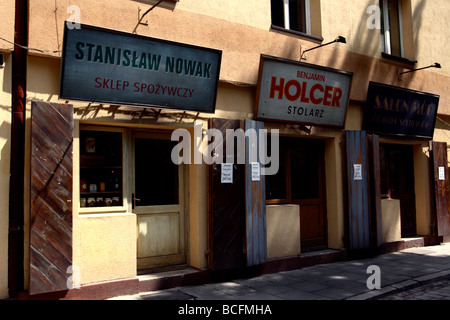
[
  {"x": 357, "y": 174},
  {"x": 227, "y": 173},
  {"x": 256, "y": 171},
  {"x": 442, "y": 173}
]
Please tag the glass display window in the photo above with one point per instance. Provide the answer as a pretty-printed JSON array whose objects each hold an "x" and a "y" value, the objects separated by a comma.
[{"x": 101, "y": 168}]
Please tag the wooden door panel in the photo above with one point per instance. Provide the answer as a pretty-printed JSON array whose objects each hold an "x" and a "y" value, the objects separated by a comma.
[
  {"x": 158, "y": 234},
  {"x": 441, "y": 186},
  {"x": 311, "y": 222},
  {"x": 358, "y": 190},
  {"x": 227, "y": 209},
  {"x": 51, "y": 197}
]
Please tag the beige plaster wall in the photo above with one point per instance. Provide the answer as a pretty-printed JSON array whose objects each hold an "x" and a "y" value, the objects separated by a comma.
[
  {"x": 5, "y": 147},
  {"x": 7, "y": 8},
  {"x": 242, "y": 31}
]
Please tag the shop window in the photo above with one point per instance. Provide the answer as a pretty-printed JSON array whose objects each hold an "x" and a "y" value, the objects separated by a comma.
[
  {"x": 101, "y": 168},
  {"x": 299, "y": 177}
]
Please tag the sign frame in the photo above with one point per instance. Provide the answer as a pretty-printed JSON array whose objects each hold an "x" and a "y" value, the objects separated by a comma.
[
  {"x": 208, "y": 107},
  {"x": 368, "y": 123},
  {"x": 298, "y": 64}
]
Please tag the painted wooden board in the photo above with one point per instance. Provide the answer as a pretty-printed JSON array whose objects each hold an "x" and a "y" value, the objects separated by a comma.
[
  {"x": 441, "y": 186},
  {"x": 255, "y": 199},
  {"x": 358, "y": 190}
]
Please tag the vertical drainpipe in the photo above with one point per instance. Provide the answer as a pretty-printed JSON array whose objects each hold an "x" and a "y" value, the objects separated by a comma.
[{"x": 16, "y": 189}]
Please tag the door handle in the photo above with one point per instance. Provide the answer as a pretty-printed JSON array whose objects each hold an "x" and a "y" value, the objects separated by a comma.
[{"x": 134, "y": 200}]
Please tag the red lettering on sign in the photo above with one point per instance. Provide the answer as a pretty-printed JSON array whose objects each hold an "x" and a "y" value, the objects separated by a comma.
[
  {"x": 287, "y": 90},
  {"x": 111, "y": 84},
  {"x": 337, "y": 95},
  {"x": 274, "y": 87},
  {"x": 312, "y": 96},
  {"x": 292, "y": 90}
]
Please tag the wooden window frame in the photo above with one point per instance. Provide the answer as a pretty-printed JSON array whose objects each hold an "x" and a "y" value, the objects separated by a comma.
[
  {"x": 125, "y": 176},
  {"x": 288, "y": 183}
]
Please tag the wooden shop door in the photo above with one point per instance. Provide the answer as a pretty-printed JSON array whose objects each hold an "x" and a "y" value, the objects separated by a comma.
[
  {"x": 397, "y": 182},
  {"x": 158, "y": 202}
]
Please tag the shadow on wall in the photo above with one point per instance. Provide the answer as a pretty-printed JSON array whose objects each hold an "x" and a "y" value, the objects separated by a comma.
[
  {"x": 5, "y": 133},
  {"x": 367, "y": 69},
  {"x": 5, "y": 167}
]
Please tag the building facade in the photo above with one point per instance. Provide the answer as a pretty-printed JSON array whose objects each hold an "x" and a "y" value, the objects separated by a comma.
[{"x": 361, "y": 144}]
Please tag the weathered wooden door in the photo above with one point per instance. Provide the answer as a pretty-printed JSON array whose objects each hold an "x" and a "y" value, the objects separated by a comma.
[
  {"x": 158, "y": 202},
  {"x": 51, "y": 197},
  {"x": 237, "y": 221},
  {"x": 227, "y": 206},
  {"x": 307, "y": 185},
  {"x": 439, "y": 162},
  {"x": 397, "y": 182},
  {"x": 357, "y": 178}
]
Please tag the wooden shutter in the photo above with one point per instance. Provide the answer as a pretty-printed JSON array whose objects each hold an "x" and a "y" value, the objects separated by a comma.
[
  {"x": 441, "y": 186},
  {"x": 51, "y": 196},
  {"x": 255, "y": 201},
  {"x": 227, "y": 209},
  {"x": 357, "y": 190}
]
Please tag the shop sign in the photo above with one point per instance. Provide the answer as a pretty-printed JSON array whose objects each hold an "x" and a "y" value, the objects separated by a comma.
[
  {"x": 297, "y": 92},
  {"x": 108, "y": 66},
  {"x": 399, "y": 111}
]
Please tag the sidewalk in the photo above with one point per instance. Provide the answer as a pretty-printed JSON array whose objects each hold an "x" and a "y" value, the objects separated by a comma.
[{"x": 345, "y": 280}]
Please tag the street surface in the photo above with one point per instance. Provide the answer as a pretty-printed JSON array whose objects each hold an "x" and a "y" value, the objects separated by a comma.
[{"x": 439, "y": 290}]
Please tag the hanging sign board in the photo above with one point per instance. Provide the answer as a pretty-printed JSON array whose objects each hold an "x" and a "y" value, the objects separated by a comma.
[
  {"x": 398, "y": 111},
  {"x": 108, "y": 66},
  {"x": 297, "y": 92}
]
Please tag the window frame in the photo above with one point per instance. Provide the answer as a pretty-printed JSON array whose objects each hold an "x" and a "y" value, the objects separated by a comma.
[
  {"x": 286, "y": 149},
  {"x": 386, "y": 32},
  {"x": 308, "y": 13},
  {"x": 109, "y": 209}
]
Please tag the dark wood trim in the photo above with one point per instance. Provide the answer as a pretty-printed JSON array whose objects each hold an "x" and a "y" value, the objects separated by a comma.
[{"x": 16, "y": 183}]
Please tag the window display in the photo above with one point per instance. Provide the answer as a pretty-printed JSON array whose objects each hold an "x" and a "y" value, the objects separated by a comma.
[{"x": 100, "y": 168}]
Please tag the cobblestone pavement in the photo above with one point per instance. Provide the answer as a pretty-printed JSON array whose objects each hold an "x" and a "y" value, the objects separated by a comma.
[{"x": 439, "y": 290}]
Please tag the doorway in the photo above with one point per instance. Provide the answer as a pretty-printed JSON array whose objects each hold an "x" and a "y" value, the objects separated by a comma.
[
  {"x": 301, "y": 180},
  {"x": 158, "y": 202},
  {"x": 397, "y": 182}
]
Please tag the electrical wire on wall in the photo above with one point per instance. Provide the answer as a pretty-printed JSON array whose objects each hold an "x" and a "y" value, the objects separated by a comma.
[{"x": 29, "y": 48}]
